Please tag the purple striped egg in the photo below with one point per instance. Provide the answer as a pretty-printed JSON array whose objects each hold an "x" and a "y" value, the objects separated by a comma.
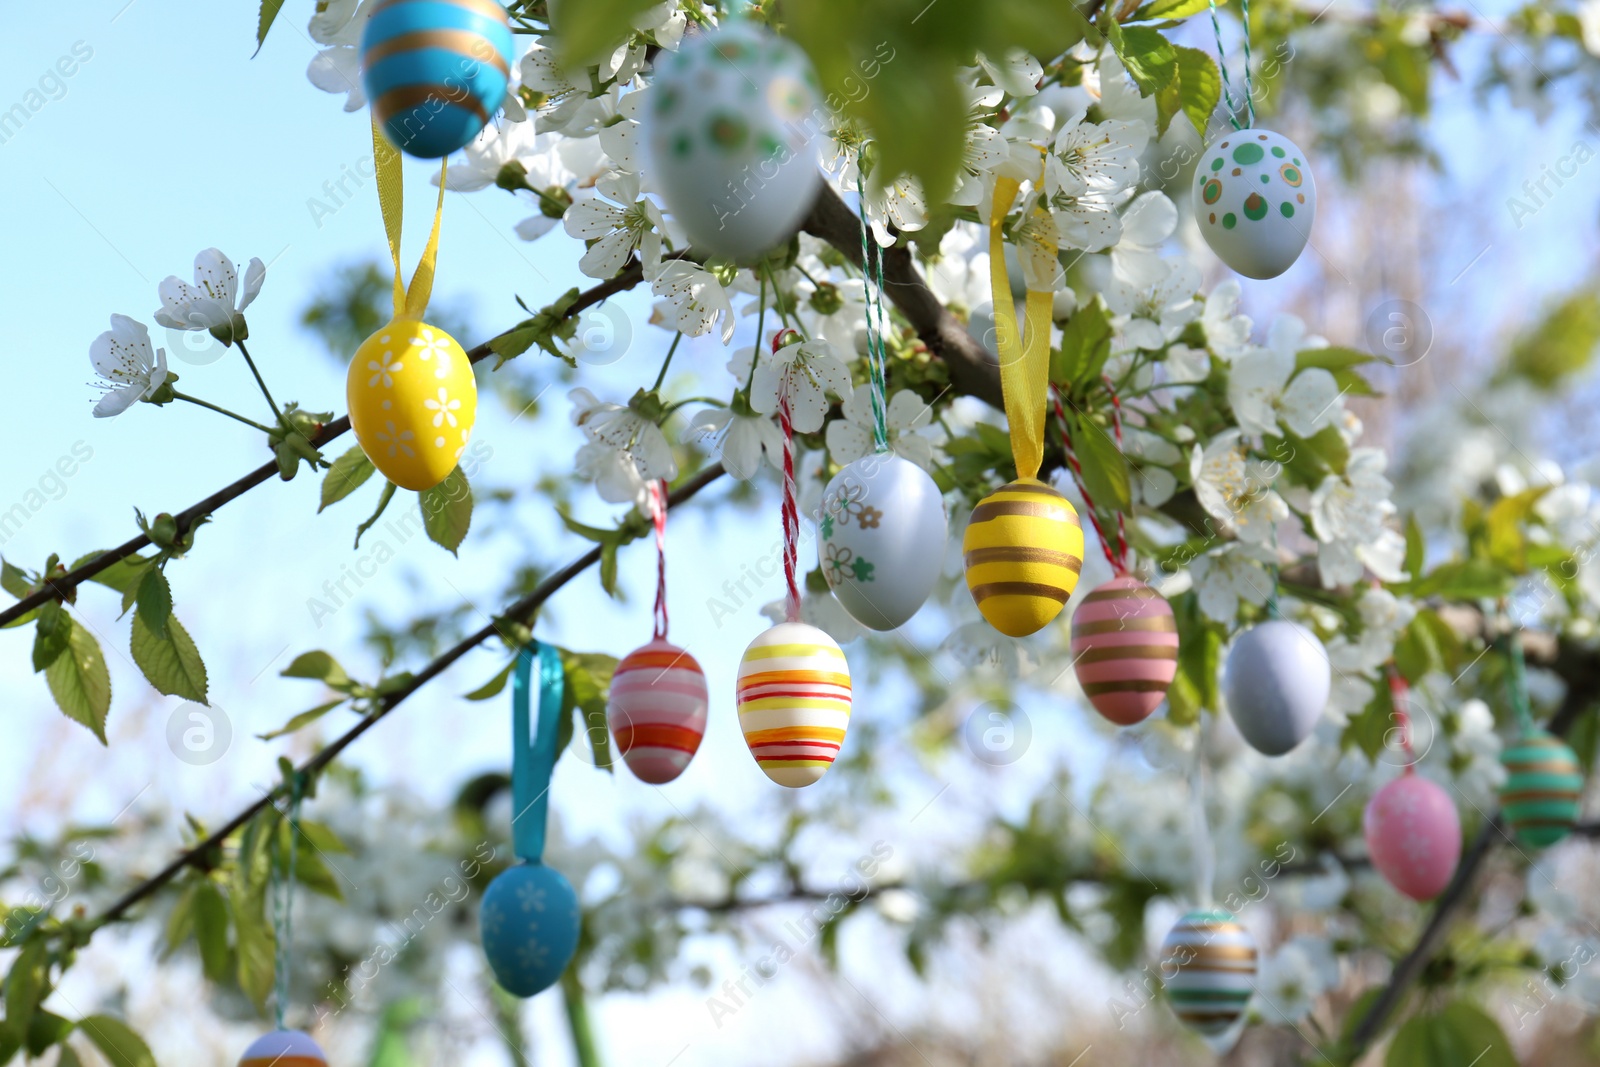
[
  {"x": 1125, "y": 649},
  {"x": 657, "y": 710}
]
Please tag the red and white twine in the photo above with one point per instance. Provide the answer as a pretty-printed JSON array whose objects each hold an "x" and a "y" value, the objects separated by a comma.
[
  {"x": 1118, "y": 556},
  {"x": 658, "y": 517},
  {"x": 791, "y": 511}
]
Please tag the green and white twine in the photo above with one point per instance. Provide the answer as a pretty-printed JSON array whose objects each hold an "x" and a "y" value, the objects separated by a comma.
[
  {"x": 873, "y": 285},
  {"x": 1517, "y": 683},
  {"x": 1222, "y": 64},
  {"x": 283, "y": 904}
]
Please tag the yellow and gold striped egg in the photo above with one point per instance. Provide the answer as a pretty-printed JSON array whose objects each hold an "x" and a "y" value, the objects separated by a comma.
[
  {"x": 1023, "y": 550},
  {"x": 794, "y": 702},
  {"x": 413, "y": 402},
  {"x": 1208, "y": 963}
]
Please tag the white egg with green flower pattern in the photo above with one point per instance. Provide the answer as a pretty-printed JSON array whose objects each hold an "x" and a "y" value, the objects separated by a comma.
[
  {"x": 1254, "y": 201},
  {"x": 732, "y": 129},
  {"x": 883, "y": 537}
]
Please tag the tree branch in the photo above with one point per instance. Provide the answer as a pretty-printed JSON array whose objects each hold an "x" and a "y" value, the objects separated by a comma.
[
  {"x": 522, "y": 611},
  {"x": 1578, "y": 698},
  {"x": 973, "y": 372},
  {"x": 59, "y": 588}
]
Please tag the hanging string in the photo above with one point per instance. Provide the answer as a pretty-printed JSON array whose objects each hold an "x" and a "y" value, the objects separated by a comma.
[
  {"x": 658, "y": 517},
  {"x": 1273, "y": 611},
  {"x": 1116, "y": 427},
  {"x": 791, "y": 513},
  {"x": 1517, "y": 683},
  {"x": 283, "y": 903},
  {"x": 876, "y": 373},
  {"x": 1222, "y": 64},
  {"x": 1205, "y": 860},
  {"x": 1118, "y": 556},
  {"x": 1400, "y": 697}
]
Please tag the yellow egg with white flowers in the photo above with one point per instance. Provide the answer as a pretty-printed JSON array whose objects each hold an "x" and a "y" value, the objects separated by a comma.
[{"x": 412, "y": 402}]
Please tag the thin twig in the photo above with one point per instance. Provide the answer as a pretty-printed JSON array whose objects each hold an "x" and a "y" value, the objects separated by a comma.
[
  {"x": 58, "y": 588},
  {"x": 521, "y": 611}
]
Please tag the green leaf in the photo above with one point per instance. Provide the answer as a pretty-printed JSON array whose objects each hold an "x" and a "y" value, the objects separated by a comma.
[
  {"x": 121, "y": 1046},
  {"x": 1416, "y": 548},
  {"x": 1151, "y": 60},
  {"x": 1085, "y": 347},
  {"x": 1342, "y": 364},
  {"x": 80, "y": 682},
  {"x": 211, "y": 930},
  {"x": 1369, "y": 729},
  {"x": 253, "y": 939},
  {"x": 1459, "y": 1033},
  {"x": 322, "y": 836},
  {"x": 122, "y": 575},
  {"x": 269, "y": 14},
  {"x": 494, "y": 685},
  {"x": 46, "y": 1031},
  {"x": 1170, "y": 9},
  {"x": 1199, "y": 86},
  {"x": 1562, "y": 344},
  {"x": 51, "y": 635},
  {"x": 155, "y": 601},
  {"x": 1105, "y": 468},
  {"x": 171, "y": 663},
  {"x": 589, "y": 29},
  {"x": 25, "y": 985},
  {"x": 447, "y": 510},
  {"x": 588, "y": 683},
  {"x": 348, "y": 473},
  {"x": 1194, "y": 689},
  {"x": 180, "y": 922},
  {"x": 309, "y": 868},
  {"x": 320, "y": 666},
  {"x": 13, "y": 580},
  {"x": 301, "y": 721},
  {"x": 1473, "y": 579},
  {"x": 68, "y": 1058}
]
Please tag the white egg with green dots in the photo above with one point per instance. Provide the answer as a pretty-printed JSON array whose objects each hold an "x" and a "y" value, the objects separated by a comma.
[{"x": 1255, "y": 201}]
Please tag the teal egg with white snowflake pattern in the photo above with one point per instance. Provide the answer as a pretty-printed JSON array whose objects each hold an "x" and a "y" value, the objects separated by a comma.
[
  {"x": 1254, "y": 201},
  {"x": 883, "y": 531},
  {"x": 732, "y": 129},
  {"x": 529, "y": 925}
]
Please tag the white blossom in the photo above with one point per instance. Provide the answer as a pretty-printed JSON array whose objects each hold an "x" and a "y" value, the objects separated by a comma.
[
  {"x": 850, "y": 438},
  {"x": 691, "y": 300},
  {"x": 130, "y": 370},
  {"x": 1237, "y": 488},
  {"x": 806, "y": 372},
  {"x": 1149, "y": 317},
  {"x": 624, "y": 450},
  {"x": 620, "y": 225},
  {"x": 215, "y": 300}
]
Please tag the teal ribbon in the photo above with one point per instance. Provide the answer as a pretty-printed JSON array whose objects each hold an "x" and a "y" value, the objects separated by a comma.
[{"x": 533, "y": 748}]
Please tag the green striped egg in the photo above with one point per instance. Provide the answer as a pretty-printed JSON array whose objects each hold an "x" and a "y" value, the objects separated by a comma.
[{"x": 1543, "y": 788}]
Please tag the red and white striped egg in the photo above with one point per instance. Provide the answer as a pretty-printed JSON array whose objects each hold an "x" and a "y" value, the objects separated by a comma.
[
  {"x": 657, "y": 710},
  {"x": 794, "y": 702},
  {"x": 283, "y": 1048},
  {"x": 1125, "y": 649}
]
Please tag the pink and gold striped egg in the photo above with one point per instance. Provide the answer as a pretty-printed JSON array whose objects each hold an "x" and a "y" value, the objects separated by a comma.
[
  {"x": 1125, "y": 649},
  {"x": 794, "y": 702},
  {"x": 657, "y": 710},
  {"x": 283, "y": 1048}
]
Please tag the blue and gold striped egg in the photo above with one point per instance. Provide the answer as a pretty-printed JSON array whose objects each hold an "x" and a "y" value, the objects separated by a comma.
[
  {"x": 1208, "y": 963},
  {"x": 435, "y": 70},
  {"x": 1542, "y": 790}
]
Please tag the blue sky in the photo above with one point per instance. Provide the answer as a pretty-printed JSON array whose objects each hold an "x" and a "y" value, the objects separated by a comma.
[{"x": 168, "y": 138}]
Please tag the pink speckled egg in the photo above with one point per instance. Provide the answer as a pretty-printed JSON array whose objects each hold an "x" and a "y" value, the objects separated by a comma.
[{"x": 1413, "y": 835}]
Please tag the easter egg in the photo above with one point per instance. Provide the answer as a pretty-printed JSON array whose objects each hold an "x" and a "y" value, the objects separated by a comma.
[
  {"x": 1023, "y": 549},
  {"x": 283, "y": 1048},
  {"x": 529, "y": 925},
  {"x": 657, "y": 710},
  {"x": 1413, "y": 835},
  {"x": 1208, "y": 964},
  {"x": 435, "y": 70},
  {"x": 1542, "y": 790},
  {"x": 883, "y": 537},
  {"x": 1276, "y": 682},
  {"x": 1125, "y": 649},
  {"x": 794, "y": 702},
  {"x": 1255, "y": 201},
  {"x": 412, "y": 401},
  {"x": 731, "y": 131}
]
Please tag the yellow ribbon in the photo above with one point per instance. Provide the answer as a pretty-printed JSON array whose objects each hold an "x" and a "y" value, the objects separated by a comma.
[
  {"x": 1024, "y": 361},
  {"x": 409, "y": 302}
]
